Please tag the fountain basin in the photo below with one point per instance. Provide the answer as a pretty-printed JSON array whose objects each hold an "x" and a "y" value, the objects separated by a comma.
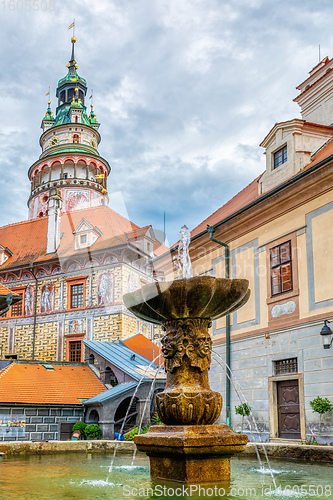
[
  {"x": 199, "y": 297},
  {"x": 191, "y": 453}
]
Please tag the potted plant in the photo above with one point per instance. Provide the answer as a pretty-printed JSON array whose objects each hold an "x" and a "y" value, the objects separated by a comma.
[
  {"x": 244, "y": 410},
  {"x": 321, "y": 405}
]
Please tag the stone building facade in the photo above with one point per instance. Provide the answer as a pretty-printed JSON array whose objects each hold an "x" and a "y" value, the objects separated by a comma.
[{"x": 280, "y": 237}]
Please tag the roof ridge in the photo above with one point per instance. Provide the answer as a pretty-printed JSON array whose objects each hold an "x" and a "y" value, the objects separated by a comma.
[
  {"x": 6, "y": 369},
  {"x": 22, "y": 222}
]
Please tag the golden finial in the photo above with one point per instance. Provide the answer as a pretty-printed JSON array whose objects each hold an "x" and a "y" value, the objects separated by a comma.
[{"x": 73, "y": 39}]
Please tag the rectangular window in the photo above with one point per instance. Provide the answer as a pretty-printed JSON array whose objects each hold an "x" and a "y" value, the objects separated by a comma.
[
  {"x": 280, "y": 264},
  {"x": 280, "y": 157},
  {"x": 76, "y": 296},
  {"x": 284, "y": 366},
  {"x": 75, "y": 351},
  {"x": 17, "y": 309}
]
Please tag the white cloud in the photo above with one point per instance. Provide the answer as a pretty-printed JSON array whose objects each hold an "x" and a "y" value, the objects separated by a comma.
[{"x": 185, "y": 91}]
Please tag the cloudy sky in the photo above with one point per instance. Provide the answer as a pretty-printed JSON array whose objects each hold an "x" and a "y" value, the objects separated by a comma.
[{"x": 185, "y": 90}]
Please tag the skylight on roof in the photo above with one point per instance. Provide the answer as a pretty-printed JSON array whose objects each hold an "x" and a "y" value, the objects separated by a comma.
[{"x": 49, "y": 367}]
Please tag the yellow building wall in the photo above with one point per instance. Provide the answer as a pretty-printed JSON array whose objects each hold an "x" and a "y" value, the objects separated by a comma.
[
  {"x": 284, "y": 225},
  {"x": 322, "y": 239}
]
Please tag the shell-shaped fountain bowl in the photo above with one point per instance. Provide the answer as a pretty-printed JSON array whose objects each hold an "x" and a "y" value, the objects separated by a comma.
[{"x": 199, "y": 297}]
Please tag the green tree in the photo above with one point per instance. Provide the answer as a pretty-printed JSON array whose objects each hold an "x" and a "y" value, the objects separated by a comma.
[
  {"x": 244, "y": 410},
  {"x": 321, "y": 405}
]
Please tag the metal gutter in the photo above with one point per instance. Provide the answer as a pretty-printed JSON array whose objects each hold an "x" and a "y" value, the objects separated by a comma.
[{"x": 210, "y": 230}]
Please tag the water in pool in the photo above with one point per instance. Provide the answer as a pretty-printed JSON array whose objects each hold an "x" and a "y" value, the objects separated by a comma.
[{"x": 81, "y": 476}]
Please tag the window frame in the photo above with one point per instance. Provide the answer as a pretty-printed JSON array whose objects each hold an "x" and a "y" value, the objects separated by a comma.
[
  {"x": 76, "y": 337},
  {"x": 19, "y": 291},
  {"x": 75, "y": 282},
  {"x": 280, "y": 266},
  {"x": 284, "y": 156}
]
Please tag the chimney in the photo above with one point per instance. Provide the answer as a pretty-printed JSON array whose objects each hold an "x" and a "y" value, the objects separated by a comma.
[{"x": 53, "y": 220}]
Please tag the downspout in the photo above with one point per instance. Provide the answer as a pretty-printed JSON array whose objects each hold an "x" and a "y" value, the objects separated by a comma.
[
  {"x": 35, "y": 313},
  {"x": 211, "y": 230}
]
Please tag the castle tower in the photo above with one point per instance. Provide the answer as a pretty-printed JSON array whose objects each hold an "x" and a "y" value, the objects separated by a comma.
[{"x": 70, "y": 160}]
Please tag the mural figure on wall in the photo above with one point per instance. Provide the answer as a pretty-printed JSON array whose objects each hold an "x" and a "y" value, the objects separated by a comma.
[
  {"x": 29, "y": 300},
  {"x": 131, "y": 283},
  {"x": 105, "y": 289},
  {"x": 47, "y": 298},
  {"x": 75, "y": 326}
]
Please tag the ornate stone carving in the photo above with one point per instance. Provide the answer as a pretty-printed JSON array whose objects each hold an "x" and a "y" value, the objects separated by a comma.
[{"x": 188, "y": 337}]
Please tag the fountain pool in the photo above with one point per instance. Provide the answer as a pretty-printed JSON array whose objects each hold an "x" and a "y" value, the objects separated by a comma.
[{"x": 80, "y": 476}]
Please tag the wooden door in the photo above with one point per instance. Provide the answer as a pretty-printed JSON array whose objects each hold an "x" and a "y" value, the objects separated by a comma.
[
  {"x": 288, "y": 409},
  {"x": 66, "y": 430}
]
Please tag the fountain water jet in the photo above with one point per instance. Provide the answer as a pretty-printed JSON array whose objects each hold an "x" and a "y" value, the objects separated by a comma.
[{"x": 189, "y": 447}]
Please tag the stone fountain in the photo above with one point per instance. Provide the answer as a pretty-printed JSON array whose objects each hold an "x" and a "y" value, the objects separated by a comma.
[{"x": 188, "y": 447}]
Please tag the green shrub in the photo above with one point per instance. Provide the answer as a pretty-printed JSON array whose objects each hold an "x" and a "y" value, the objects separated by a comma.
[
  {"x": 79, "y": 426},
  {"x": 93, "y": 431},
  {"x": 321, "y": 405},
  {"x": 243, "y": 409}
]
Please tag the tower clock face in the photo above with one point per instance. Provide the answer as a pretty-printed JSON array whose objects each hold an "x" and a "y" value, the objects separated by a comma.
[
  {"x": 93, "y": 143},
  {"x": 54, "y": 141}
]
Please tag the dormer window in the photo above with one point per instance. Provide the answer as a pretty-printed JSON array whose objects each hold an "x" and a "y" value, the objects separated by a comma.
[
  {"x": 85, "y": 235},
  {"x": 280, "y": 157}
]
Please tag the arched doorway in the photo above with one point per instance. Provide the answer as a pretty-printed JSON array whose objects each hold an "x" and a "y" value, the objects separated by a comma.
[
  {"x": 93, "y": 417},
  {"x": 121, "y": 413},
  {"x": 110, "y": 378}
]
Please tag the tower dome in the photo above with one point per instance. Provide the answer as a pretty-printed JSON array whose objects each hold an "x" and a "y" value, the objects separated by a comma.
[{"x": 69, "y": 160}]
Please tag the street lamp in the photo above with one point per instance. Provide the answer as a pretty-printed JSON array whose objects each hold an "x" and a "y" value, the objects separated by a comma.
[{"x": 326, "y": 333}]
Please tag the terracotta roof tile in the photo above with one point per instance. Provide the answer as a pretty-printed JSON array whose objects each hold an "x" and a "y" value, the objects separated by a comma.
[
  {"x": 27, "y": 240},
  {"x": 143, "y": 346},
  {"x": 34, "y": 384},
  {"x": 5, "y": 291}
]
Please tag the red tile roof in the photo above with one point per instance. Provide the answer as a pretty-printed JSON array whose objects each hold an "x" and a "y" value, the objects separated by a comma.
[
  {"x": 143, "y": 346},
  {"x": 5, "y": 291},
  {"x": 27, "y": 240},
  {"x": 240, "y": 200},
  {"x": 34, "y": 384},
  {"x": 324, "y": 152}
]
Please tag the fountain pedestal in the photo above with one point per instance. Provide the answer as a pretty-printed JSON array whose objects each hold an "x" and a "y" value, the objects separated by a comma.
[
  {"x": 191, "y": 453},
  {"x": 189, "y": 448}
]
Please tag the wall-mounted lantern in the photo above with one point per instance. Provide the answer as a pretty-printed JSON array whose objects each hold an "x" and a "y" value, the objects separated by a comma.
[{"x": 326, "y": 333}]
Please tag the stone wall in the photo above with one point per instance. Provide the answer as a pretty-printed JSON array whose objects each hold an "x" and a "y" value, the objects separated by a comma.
[
  {"x": 252, "y": 364},
  {"x": 42, "y": 422}
]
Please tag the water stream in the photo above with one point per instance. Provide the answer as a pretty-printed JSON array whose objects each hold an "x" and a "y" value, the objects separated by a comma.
[
  {"x": 129, "y": 406},
  {"x": 242, "y": 400}
]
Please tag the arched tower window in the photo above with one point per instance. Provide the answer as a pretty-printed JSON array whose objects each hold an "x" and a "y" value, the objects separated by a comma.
[
  {"x": 76, "y": 119},
  {"x": 76, "y": 138}
]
